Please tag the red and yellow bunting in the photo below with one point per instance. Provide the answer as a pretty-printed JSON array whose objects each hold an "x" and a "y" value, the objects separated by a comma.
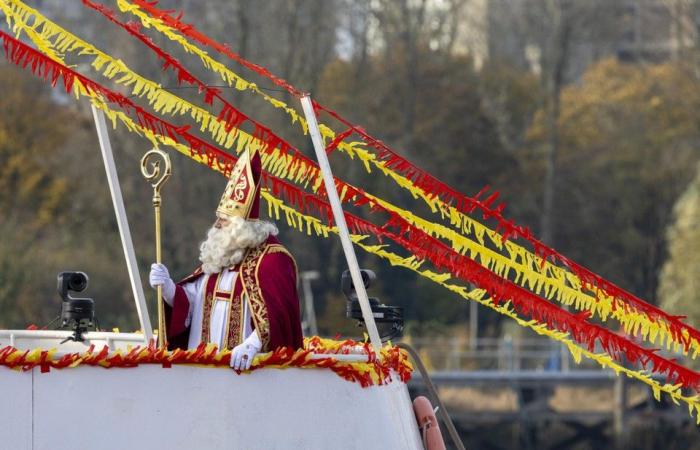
[
  {"x": 317, "y": 354},
  {"x": 415, "y": 240},
  {"x": 529, "y": 276},
  {"x": 543, "y": 279},
  {"x": 579, "y": 288}
]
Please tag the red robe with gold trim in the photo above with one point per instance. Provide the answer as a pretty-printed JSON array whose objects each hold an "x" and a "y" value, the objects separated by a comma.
[{"x": 267, "y": 279}]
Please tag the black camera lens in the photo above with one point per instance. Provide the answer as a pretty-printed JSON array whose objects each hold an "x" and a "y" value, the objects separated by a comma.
[
  {"x": 347, "y": 285},
  {"x": 71, "y": 282},
  {"x": 77, "y": 281}
]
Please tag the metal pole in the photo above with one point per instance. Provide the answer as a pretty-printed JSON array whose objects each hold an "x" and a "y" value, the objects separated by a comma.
[
  {"x": 159, "y": 290},
  {"x": 565, "y": 358},
  {"x": 620, "y": 411},
  {"x": 124, "y": 232},
  {"x": 309, "y": 311},
  {"x": 473, "y": 325},
  {"x": 340, "y": 223}
]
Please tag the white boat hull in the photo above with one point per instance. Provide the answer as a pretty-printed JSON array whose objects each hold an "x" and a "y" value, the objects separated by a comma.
[{"x": 189, "y": 407}]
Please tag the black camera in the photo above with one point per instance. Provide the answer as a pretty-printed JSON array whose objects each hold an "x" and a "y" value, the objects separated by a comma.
[
  {"x": 76, "y": 313},
  {"x": 349, "y": 288},
  {"x": 384, "y": 315},
  {"x": 71, "y": 281}
]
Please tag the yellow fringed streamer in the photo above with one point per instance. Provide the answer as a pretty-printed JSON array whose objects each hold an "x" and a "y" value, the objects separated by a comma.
[
  {"x": 52, "y": 36},
  {"x": 540, "y": 276},
  {"x": 544, "y": 278},
  {"x": 552, "y": 284}
]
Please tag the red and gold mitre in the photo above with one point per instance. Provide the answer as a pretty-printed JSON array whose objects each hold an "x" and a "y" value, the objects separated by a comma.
[{"x": 242, "y": 195}]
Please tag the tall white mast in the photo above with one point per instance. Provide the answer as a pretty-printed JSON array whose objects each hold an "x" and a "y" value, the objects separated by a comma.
[
  {"x": 124, "y": 232},
  {"x": 340, "y": 223}
]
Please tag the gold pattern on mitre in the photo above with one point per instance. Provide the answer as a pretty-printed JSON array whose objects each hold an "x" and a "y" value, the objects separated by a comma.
[{"x": 240, "y": 191}]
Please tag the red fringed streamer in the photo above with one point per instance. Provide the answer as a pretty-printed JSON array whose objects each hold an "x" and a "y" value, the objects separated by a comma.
[
  {"x": 523, "y": 301},
  {"x": 528, "y": 304},
  {"x": 434, "y": 187},
  {"x": 24, "y": 56},
  {"x": 508, "y": 229}
]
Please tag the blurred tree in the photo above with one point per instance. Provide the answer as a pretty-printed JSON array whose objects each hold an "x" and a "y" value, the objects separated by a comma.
[
  {"x": 510, "y": 96},
  {"x": 553, "y": 28},
  {"x": 679, "y": 286},
  {"x": 38, "y": 172},
  {"x": 31, "y": 192},
  {"x": 628, "y": 146},
  {"x": 394, "y": 66}
]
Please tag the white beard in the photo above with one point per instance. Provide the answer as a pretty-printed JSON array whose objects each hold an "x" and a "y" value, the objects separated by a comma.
[{"x": 226, "y": 246}]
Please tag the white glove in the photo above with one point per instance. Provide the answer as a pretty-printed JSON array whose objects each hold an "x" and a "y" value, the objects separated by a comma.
[
  {"x": 160, "y": 277},
  {"x": 242, "y": 355}
]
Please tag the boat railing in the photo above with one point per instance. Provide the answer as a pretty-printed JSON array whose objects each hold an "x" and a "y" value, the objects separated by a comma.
[{"x": 47, "y": 339}]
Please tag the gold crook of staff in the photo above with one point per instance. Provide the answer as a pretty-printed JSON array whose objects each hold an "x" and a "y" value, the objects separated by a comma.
[{"x": 153, "y": 175}]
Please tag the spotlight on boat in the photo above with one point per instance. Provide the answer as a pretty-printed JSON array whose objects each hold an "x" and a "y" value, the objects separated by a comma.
[
  {"x": 78, "y": 314},
  {"x": 389, "y": 319}
]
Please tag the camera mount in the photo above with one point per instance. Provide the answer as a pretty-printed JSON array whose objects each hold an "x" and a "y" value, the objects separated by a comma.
[
  {"x": 383, "y": 314},
  {"x": 78, "y": 314}
]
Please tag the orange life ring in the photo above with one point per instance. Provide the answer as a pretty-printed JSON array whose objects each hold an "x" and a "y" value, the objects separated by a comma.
[{"x": 428, "y": 424}]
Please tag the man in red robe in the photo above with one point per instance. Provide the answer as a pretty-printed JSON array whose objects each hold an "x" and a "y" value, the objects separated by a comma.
[{"x": 243, "y": 296}]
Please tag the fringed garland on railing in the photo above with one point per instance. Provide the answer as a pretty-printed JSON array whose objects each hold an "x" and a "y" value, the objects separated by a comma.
[{"x": 375, "y": 371}]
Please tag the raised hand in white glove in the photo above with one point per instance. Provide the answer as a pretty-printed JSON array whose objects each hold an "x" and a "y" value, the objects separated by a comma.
[
  {"x": 160, "y": 277},
  {"x": 243, "y": 354}
]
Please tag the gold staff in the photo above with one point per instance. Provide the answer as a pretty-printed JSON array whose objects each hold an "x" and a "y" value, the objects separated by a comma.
[{"x": 157, "y": 182}]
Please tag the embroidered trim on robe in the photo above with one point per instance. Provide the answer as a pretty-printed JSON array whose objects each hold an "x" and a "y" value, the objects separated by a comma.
[
  {"x": 234, "y": 334},
  {"x": 253, "y": 293},
  {"x": 211, "y": 282}
]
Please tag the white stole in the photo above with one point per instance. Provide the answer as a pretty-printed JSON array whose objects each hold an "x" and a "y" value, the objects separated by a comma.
[{"x": 196, "y": 290}]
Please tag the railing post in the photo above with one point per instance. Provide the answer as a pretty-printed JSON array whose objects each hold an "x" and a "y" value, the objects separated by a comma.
[{"x": 620, "y": 411}]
